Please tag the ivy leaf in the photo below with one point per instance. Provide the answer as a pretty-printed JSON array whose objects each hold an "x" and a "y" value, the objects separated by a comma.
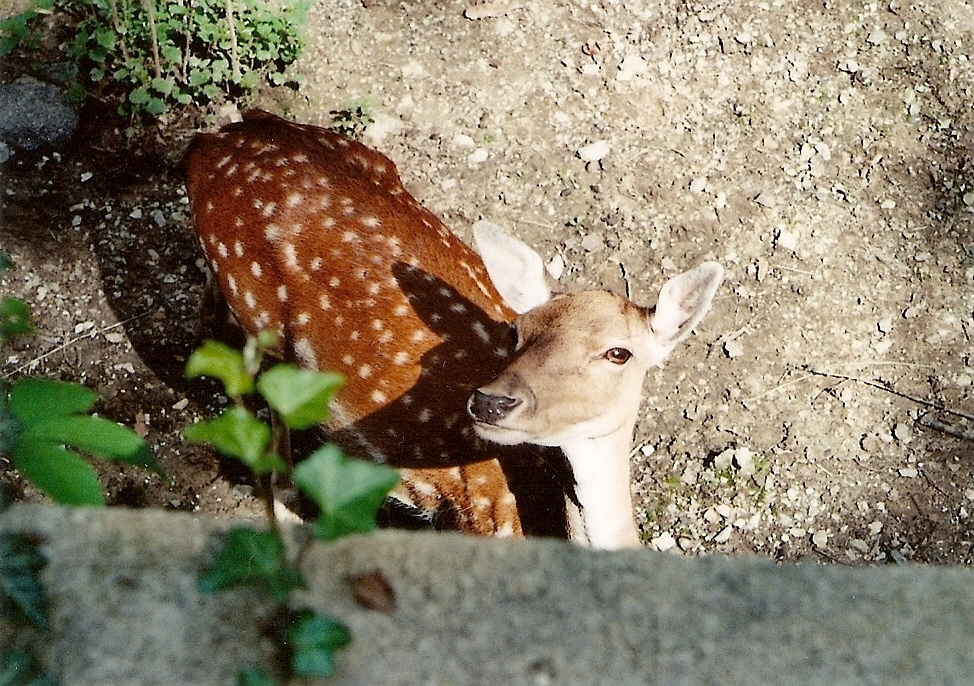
[
  {"x": 60, "y": 473},
  {"x": 237, "y": 433},
  {"x": 300, "y": 396},
  {"x": 33, "y": 399},
  {"x": 14, "y": 318},
  {"x": 20, "y": 568},
  {"x": 221, "y": 362},
  {"x": 252, "y": 676},
  {"x": 348, "y": 492},
  {"x": 254, "y": 558},
  {"x": 95, "y": 435},
  {"x": 54, "y": 413},
  {"x": 315, "y": 640}
]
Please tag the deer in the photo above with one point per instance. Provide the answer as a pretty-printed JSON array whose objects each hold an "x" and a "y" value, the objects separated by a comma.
[{"x": 508, "y": 409}]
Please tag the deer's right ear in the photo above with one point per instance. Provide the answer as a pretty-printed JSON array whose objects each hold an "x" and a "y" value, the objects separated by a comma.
[
  {"x": 516, "y": 270},
  {"x": 684, "y": 300}
]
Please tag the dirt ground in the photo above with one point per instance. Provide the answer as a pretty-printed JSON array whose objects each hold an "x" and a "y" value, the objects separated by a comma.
[{"x": 823, "y": 152}]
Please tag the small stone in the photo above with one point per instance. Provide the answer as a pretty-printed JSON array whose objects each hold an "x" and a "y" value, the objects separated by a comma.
[
  {"x": 555, "y": 267},
  {"x": 477, "y": 156},
  {"x": 663, "y": 542},
  {"x": 136, "y": 213},
  {"x": 786, "y": 240},
  {"x": 724, "y": 535},
  {"x": 86, "y": 176},
  {"x": 724, "y": 459},
  {"x": 733, "y": 349},
  {"x": 592, "y": 242},
  {"x": 463, "y": 141},
  {"x": 859, "y": 545},
  {"x": 698, "y": 185},
  {"x": 901, "y": 432},
  {"x": 595, "y": 152},
  {"x": 820, "y": 539},
  {"x": 115, "y": 337},
  {"x": 909, "y": 473},
  {"x": 181, "y": 405},
  {"x": 888, "y": 204},
  {"x": 876, "y": 37},
  {"x": 875, "y": 527},
  {"x": 885, "y": 324}
]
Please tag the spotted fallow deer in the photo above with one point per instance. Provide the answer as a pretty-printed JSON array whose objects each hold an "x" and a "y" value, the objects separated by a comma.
[{"x": 506, "y": 406}]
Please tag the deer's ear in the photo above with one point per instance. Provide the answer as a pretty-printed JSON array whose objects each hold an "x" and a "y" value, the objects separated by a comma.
[
  {"x": 684, "y": 300},
  {"x": 516, "y": 270}
]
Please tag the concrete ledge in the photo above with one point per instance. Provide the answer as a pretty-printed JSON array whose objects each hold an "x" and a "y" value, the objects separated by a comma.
[{"x": 125, "y": 610}]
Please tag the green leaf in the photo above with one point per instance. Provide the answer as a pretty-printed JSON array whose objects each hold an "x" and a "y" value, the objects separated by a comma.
[
  {"x": 221, "y": 362},
  {"x": 59, "y": 472},
  {"x": 315, "y": 639},
  {"x": 6, "y": 263},
  {"x": 300, "y": 396},
  {"x": 33, "y": 399},
  {"x": 164, "y": 85},
  {"x": 254, "y": 558},
  {"x": 14, "y": 317},
  {"x": 237, "y": 433},
  {"x": 106, "y": 38},
  {"x": 252, "y": 676},
  {"x": 139, "y": 96},
  {"x": 100, "y": 437},
  {"x": 20, "y": 568},
  {"x": 348, "y": 492},
  {"x": 155, "y": 106}
]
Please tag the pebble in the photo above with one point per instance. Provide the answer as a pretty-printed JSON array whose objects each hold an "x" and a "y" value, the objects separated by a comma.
[
  {"x": 595, "y": 152},
  {"x": 555, "y": 267},
  {"x": 592, "y": 242},
  {"x": 698, "y": 185},
  {"x": 908, "y": 473},
  {"x": 477, "y": 156},
  {"x": 664, "y": 541},
  {"x": 733, "y": 349},
  {"x": 820, "y": 539},
  {"x": 901, "y": 432},
  {"x": 181, "y": 405},
  {"x": 786, "y": 240}
]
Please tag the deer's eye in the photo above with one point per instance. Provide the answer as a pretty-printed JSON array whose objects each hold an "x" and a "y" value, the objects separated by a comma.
[{"x": 618, "y": 355}]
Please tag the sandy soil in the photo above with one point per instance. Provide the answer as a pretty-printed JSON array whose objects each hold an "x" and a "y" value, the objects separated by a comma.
[{"x": 823, "y": 152}]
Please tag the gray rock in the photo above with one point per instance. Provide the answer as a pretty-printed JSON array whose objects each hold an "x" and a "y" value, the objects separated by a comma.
[
  {"x": 125, "y": 609},
  {"x": 33, "y": 113}
]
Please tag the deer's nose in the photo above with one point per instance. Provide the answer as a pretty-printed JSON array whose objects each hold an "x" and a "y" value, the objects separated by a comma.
[{"x": 490, "y": 409}]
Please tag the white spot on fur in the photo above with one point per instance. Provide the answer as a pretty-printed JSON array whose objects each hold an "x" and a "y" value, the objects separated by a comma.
[{"x": 256, "y": 270}]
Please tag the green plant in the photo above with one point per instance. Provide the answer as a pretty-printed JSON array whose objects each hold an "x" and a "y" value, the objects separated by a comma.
[
  {"x": 43, "y": 423},
  {"x": 165, "y": 53},
  {"x": 20, "y": 29},
  {"x": 347, "y": 492}
]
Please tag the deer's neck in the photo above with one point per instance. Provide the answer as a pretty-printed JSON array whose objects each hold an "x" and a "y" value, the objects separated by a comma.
[{"x": 602, "y": 485}]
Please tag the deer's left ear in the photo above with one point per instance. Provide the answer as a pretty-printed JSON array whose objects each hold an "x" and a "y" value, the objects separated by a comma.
[
  {"x": 516, "y": 270},
  {"x": 684, "y": 300}
]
